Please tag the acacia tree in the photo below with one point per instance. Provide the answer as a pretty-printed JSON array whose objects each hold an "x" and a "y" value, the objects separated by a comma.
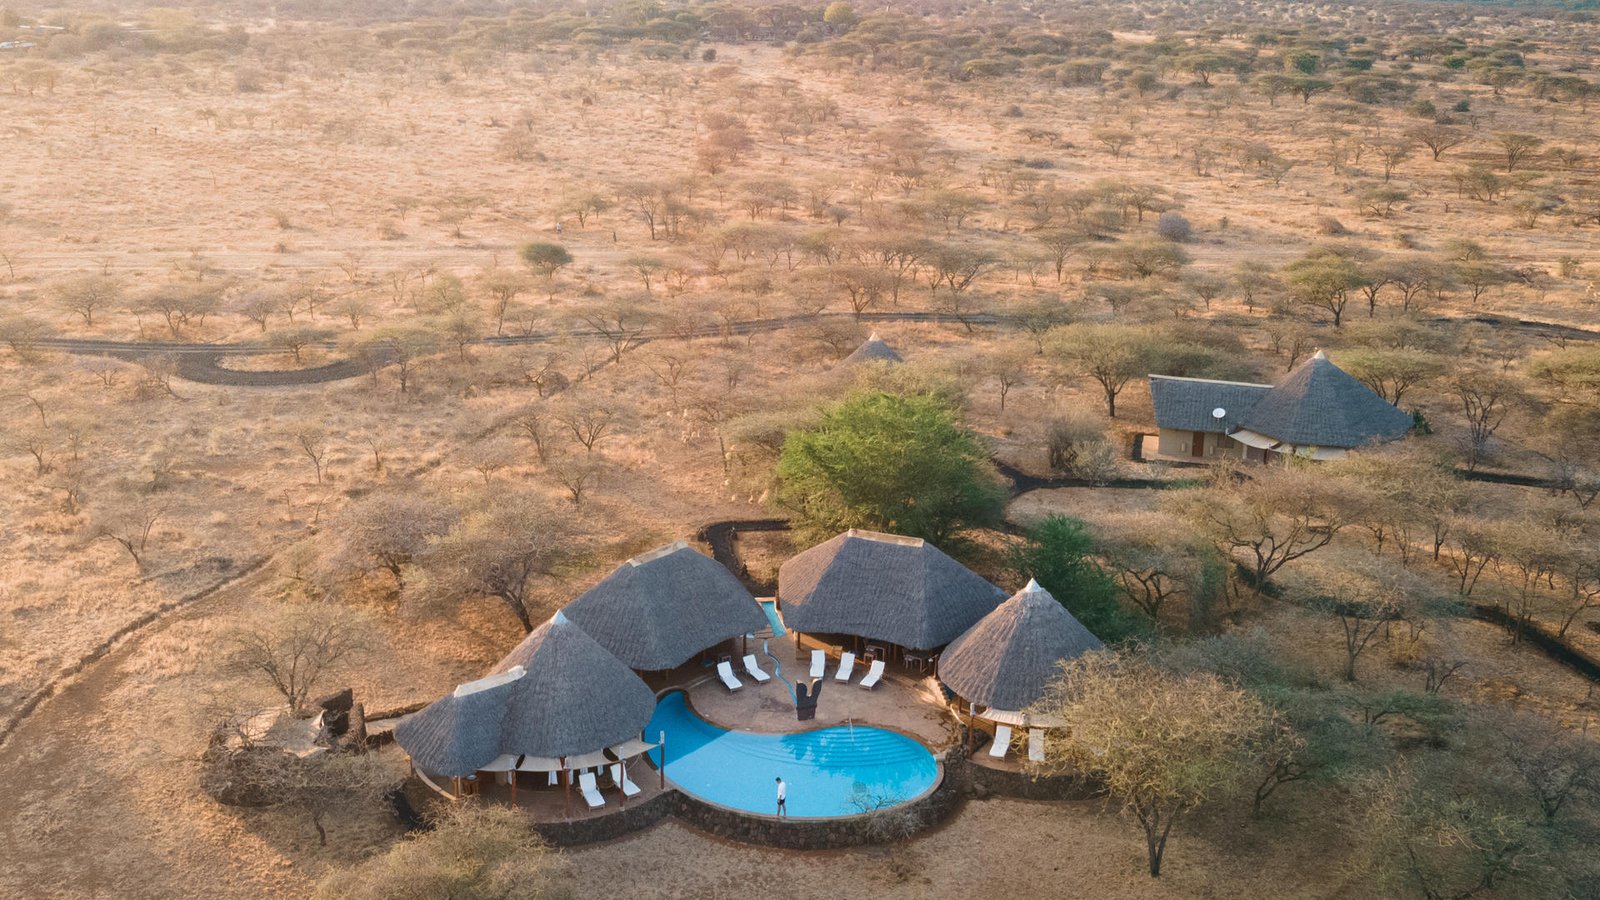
[
  {"x": 1111, "y": 354},
  {"x": 890, "y": 462},
  {"x": 385, "y": 530},
  {"x": 296, "y": 650},
  {"x": 498, "y": 549},
  {"x": 1324, "y": 279},
  {"x": 1366, "y": 602},
  {"x": 1158, "y": 566},
  {"x": 1161, "y": 743},
  {"x": 86, "y": 295},
  {"x": 1485, "y": 397},
  {"x": 1272, "y": 519},
  {"x": 1437, "y": 138},
  {"x": 1443, "y": 835},
  {"x": 481, "y": 851}
]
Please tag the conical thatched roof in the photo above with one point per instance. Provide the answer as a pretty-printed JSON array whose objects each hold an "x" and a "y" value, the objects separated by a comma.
[
  {"x": 874, "y": 350},
  {"x": 557, "y": 694},
  {"x": 1006, "y": 660},
  {"x": 1320, "y": 405},
  {"x": 884, "y": 587},
  {"x": 659, "y": 609}
]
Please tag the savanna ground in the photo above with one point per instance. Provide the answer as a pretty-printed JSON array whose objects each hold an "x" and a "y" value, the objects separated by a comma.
[{"x": 346, "y": 181}]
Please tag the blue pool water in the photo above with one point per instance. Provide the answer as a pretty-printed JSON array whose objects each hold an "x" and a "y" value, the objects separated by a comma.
[
  {"x": 829, "y": 772},
  {"x": 770, "y": 607}
]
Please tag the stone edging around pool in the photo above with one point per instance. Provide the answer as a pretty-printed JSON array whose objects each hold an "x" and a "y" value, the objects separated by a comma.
[
  {"x": 959, "y": 781},
  {"x": 938, "y": 760}
]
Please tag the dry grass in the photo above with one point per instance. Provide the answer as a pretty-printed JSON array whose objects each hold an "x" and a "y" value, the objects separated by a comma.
[{"x": 142, "y": 176}]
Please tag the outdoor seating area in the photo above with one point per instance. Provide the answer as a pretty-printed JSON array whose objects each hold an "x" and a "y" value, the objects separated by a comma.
[
  {"x": 896, "y": 700},
  {"x": 560, "y": 725}
]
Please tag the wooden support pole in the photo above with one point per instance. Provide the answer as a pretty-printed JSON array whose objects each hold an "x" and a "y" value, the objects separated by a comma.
[
  {"x": 566, "y": 777},
  {"x": 513, "y": 776}
]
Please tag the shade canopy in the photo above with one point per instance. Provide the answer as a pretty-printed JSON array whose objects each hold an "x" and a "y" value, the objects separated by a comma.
[
  {"x": 1318, "y": 404},
  {"x": 883, "y": 587},
  {"x": 874, "y": 350},
  {"x": 1007, "y": 659},
  {"x": 557, "y": 694},
  {"x": 659, "y": 609}
]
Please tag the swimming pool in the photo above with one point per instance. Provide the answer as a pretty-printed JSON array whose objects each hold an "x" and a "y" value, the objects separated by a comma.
[
  {"x": 829, "y": 772},
  {"x": 770, "y": 607}
]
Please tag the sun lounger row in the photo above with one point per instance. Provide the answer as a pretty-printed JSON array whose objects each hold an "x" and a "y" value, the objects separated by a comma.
[
  {"x": 590, "y": 790},
  {"x": 1002, "y": 743},
  {"x": 847, "y": 666},
  {"x": 751, "y": 668}
]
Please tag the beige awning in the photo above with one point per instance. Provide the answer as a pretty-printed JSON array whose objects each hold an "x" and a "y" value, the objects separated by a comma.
[
  {"x": 1262, "y": 442},
  {"x": 505, "y": 762},
  {"x": 539, "y": 764},
  {"x": 588, "y": 760},
  {"x": 1021, "y": 719},
  {"x": 631, "y": 748}
]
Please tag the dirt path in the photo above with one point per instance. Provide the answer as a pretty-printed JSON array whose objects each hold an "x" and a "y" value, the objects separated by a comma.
[
  {"x": 79, "y": 789},
  {"x": 201, "y": 362}
]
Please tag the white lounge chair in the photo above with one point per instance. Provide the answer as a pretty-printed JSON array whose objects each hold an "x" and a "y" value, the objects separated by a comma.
[
  {"x": 1002, "y": 741},
  {"x": 591, "y": 792},
  {"x": 874, "y": 675},
  {"x": 729, "y": 680},
  {"x": 1036, "y": 745},
  {"x": 754, "y": 668},
  {"x": 847, "y": 666},
  {"x": 619, "y": 774},
  {"x": 819, "y": 664}
]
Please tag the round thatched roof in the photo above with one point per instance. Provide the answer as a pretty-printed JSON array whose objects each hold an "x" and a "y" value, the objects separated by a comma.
[
  {"x": 557, "y": 694},
  {"x": 657, "y": 610},
  {"x": 1321, "y": 405},
  {"x": 1007, "y": 659},
  {"x": 883, "y": 587},
  {"x": 874, "y": 349}
]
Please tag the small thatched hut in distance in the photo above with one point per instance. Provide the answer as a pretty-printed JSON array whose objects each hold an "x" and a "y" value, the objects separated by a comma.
[
  {"x": 557, "y": 695},
  {"x": 883, "y": 587},
  {"x": 659, "y": 609},
  {"x": 1007, "y": 660},
  {"x": 874, "y": 350}
]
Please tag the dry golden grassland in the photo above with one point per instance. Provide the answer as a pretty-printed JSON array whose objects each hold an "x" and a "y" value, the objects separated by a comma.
[{"x": 373, "y": 187}]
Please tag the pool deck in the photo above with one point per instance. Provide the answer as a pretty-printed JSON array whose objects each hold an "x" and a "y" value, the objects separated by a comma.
[
  {"x": 906, "y": 702},
  {"x": 544, "y": 803}
]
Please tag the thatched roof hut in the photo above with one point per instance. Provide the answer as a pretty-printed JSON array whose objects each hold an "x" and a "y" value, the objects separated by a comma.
[
  {"x": 1320, "y": 405},
  {"x": 874, "y": 350},
  {"x": 1007, "y": 659},
  {"x": 557, "y": 694},
  {"x": 657, "y": 610},
  {"x": 883, "y": 587}
]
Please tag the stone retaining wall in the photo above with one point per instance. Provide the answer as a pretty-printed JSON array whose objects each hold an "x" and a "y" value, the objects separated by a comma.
[
  {"x": 985, "y": 782},
  {"x": 635, "y": 817},
  {"x": 831, "y": 834}
]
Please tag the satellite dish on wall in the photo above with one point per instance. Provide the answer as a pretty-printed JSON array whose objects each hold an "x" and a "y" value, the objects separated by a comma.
[{"x": 1218, "y": 413}]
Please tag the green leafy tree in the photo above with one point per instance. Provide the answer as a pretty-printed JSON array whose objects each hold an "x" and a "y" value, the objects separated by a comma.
[
  {"x": 1058, "y": 553},
  {"x": 546, "y": 259},
  {"x": 900, "y": 463}
]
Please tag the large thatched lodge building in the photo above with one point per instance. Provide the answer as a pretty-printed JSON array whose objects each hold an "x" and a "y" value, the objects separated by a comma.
[
  {"x": 1318, "y": 411},
  {"x": 576, "y": 705}
]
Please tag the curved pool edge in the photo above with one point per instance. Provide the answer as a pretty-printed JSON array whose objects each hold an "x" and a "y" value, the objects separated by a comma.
[
  {"x": 938, "y": 756},
  {"x": 938, "y": 752}
]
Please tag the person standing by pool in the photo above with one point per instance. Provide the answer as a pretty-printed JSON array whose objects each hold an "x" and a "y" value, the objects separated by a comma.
[{"x": 783, "y": 799}]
